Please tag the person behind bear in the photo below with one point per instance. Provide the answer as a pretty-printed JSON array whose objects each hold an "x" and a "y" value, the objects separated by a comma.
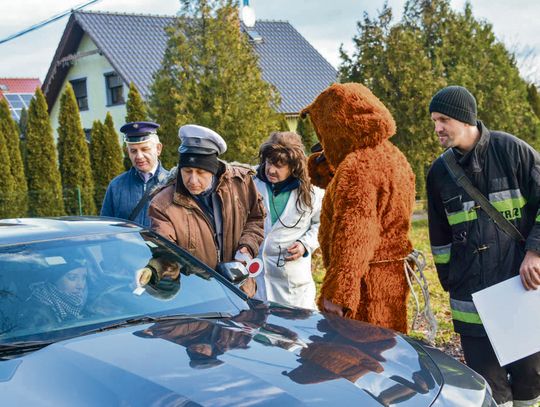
[
  {"x": 291, "y": 229},
  {"x": 470, "y": 251},
  {"x": 212, "y": 209},
  {"x": 367, "y": 208}
]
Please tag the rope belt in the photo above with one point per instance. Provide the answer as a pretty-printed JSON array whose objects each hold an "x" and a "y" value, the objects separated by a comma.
[{"x": 417, "y": 258}]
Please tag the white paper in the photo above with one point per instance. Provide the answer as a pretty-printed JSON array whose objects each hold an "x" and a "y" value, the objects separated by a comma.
[
  {"x": 511, "y": 317},
  {"x": 55, "y": 260}
]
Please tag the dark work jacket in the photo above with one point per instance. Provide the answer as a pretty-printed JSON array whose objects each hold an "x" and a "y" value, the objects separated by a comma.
[
  {"x": 125, "y": 191},
  {"x": 470, "y": 251}
]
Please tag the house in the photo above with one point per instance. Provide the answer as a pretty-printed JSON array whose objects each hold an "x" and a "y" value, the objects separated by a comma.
[
  {"x": 101, "y": 53},
  {"x": 18, "y": 92}
]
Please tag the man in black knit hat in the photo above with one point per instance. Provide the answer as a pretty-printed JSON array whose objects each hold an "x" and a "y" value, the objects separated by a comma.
[
  {"x": 212, "y": 209},
  {"x": 470, "y": 251}
]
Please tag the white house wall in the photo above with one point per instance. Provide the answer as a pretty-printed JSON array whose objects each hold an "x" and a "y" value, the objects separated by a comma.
[{"x": 93, "y": 68}]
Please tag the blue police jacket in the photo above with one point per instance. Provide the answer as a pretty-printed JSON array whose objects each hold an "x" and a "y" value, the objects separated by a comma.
[{"x": 125, "y": 191}]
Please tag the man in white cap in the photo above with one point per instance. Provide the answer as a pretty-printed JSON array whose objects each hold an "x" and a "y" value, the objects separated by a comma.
[
  {"x": 126, "y": 190},
  {"x": 213, "y": 209}
]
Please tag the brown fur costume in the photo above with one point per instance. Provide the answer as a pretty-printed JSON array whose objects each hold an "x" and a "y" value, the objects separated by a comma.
[{"x": 367, "y": 208}]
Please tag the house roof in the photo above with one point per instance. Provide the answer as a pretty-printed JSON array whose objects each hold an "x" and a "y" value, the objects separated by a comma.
[
  {"x": 19, "y": 85},
  {"x": 134, "y": 45},
  {"x": 18, "y": 93}
]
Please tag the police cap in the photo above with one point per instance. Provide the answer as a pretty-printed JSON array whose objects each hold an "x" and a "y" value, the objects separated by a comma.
[
  {"x": 197, "y": 139},
  {"x": 138, "y": 132}
]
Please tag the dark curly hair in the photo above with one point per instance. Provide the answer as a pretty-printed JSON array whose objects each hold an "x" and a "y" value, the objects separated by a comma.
[{"x": 286, "y": 148}]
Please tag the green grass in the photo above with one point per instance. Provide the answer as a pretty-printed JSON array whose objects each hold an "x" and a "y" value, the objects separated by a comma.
[{"x": 445, "y": 337}]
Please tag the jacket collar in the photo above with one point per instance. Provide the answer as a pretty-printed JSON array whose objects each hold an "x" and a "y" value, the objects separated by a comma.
[
  {"x": 183, "y": 197},
  {"x": 159, "y": 173},
  {"x": 475, "y": 158}
]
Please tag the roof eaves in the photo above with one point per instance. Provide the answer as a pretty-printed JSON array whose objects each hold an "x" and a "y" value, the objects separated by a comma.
[{"x": 55, "y": 75}]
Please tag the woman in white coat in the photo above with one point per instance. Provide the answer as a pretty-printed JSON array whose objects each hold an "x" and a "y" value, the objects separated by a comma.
[{"x": 293, "y": 209}]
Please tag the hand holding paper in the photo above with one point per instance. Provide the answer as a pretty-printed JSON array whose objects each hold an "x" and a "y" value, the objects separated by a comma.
[{"x": 510, "y": 316}]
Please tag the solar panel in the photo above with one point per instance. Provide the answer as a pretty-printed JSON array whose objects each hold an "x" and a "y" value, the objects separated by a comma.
[{"x": 18, "y": 101}]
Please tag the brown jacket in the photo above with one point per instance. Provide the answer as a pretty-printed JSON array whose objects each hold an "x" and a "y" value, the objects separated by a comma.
[{"x": 175, "y": 215}]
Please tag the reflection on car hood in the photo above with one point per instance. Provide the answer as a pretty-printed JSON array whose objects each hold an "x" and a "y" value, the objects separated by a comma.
[{"x": 266, "y": 355}]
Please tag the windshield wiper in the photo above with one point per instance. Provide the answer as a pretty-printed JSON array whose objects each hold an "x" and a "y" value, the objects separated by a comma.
[
  {"x": 15, "y": 348},
  {"x": 146, "y": 319}
]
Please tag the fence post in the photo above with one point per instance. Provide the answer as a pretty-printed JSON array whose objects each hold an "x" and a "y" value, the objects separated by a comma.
[{"x": 79, "y": 200}]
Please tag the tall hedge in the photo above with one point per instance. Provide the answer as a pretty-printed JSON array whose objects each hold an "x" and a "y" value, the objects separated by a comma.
[
  {"x": 136, "y": 111},
  {"x": 105, "y": 156},
  {"x": 43, "y": 176},
  {"x": 9, "y": 131},
  {"x": 74, "y": 158}
]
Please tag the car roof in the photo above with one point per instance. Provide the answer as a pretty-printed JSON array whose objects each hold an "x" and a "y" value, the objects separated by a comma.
[{"x": 27, "y": 230}]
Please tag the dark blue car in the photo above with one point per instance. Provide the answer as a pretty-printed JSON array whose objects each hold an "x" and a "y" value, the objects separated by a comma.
[{"x": 101, "y": 312}]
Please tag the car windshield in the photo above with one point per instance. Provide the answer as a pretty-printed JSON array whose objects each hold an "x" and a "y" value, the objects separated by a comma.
[{"x": 60, "y": 288}]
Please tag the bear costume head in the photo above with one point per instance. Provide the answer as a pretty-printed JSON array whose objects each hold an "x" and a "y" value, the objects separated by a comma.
[{"x": 346, "y": 117}]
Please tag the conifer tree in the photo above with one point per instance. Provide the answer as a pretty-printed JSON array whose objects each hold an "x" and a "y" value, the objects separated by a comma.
[
  {"x": 43, "y": 176},
  {"x": 135, "y": 106},
  {"x": 7, "y": 184},
  {"x": 210, "y": 76},
  {"x": 534, "y": 98},
  {"x": 74, "y": 158},
  {"x": 282, "y": 123},
  {"x": 306, "y": 131},
  {"x": 136, "y": 111},
  {"x": 106, "y": 157},
  {"x": 10, "y": 132},
  {"x": 23, "y": 123},
  {"x": 429, "y": 48}
]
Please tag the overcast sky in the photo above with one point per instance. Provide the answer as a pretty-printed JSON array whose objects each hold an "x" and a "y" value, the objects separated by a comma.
[{"x": 325, "y": 24}]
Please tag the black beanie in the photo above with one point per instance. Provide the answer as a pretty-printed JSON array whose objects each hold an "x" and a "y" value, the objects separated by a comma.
[
  {"x": 208, "y": 162},
  {"x": 455, "y": 102}
]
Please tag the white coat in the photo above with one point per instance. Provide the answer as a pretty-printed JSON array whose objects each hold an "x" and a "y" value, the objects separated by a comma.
[{"x": 289, "y": 282}]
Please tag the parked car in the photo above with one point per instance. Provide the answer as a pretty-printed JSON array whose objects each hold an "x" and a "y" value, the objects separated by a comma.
[{"x": 102, "y": 312}]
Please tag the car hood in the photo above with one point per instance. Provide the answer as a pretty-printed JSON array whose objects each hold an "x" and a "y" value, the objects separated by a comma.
[{"x": 265, "y": 355}]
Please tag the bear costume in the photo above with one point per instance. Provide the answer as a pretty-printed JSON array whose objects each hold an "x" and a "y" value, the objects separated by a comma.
[{"x": 367, "y": 208}]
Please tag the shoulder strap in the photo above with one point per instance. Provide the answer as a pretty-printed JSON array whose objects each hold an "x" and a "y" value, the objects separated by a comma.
[
  {"x": 144, "y": 199},
  {"x": 463, "y": 181}
]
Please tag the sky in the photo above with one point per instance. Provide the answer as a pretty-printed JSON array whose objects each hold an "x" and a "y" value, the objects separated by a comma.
[{"x": 325, "y": 24}]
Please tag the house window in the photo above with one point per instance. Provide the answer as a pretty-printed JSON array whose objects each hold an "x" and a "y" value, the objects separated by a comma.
[
  {"x": 79, "y": 87},
  {"x": 115, "y": 89}
]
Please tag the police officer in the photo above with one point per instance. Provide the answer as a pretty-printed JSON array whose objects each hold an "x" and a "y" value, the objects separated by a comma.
[
  {"x": 125, "y": 191},
  {"x": 213, "y": 209}
]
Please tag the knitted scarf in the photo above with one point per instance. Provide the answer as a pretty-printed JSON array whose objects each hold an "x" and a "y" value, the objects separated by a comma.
[{"x": 64, "y": 305}]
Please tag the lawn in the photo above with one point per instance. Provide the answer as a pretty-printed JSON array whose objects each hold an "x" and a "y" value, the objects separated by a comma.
[{"x": 445, "y": 339}]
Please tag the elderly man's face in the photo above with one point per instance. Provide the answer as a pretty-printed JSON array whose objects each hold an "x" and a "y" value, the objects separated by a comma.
[
  {"x": 144, "y": 156},
  {"x": 196, "y": 180}
]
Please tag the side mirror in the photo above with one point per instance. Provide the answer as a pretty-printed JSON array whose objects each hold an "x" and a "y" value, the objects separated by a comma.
[{"x": 233, "y": 271}]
